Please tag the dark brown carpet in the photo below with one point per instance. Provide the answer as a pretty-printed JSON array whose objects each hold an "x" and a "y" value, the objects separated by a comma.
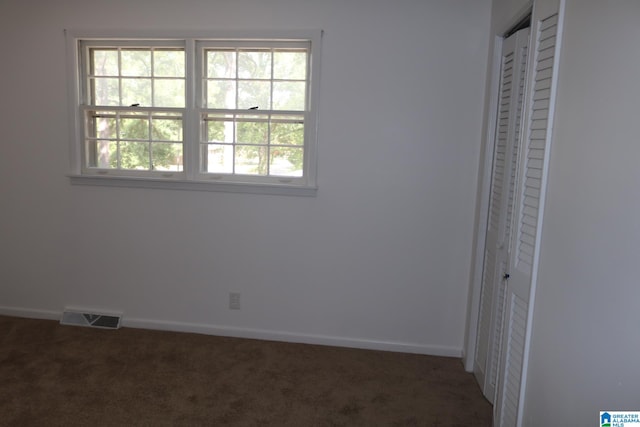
[{"x": 53, "y": 375}]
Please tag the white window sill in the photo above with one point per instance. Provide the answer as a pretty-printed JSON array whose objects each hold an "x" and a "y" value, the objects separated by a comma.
[{"x": 166, "y": 184}]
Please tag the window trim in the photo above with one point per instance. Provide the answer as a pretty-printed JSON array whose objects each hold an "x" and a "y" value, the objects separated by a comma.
[{"x": 191, "y": 178}]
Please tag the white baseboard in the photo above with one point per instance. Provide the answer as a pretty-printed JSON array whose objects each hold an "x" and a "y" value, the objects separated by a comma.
[
  {"x": 261, "y": 334},
  {"x": 30, "y": 313},
  {"x": 264, "y": 334}
]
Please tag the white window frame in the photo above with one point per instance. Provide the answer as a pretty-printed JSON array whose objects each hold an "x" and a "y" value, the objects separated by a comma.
[{"x": 192, "y": 177}]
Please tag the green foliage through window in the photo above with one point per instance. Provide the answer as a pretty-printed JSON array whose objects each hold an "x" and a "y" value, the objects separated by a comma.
[{"x": 134, "y": 140}]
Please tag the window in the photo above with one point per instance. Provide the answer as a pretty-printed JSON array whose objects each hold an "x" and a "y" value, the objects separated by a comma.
[{"x": 235, "y": 114}]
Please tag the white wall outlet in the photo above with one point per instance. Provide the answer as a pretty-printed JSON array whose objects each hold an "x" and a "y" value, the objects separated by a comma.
[{"x": 234, "y": 300}]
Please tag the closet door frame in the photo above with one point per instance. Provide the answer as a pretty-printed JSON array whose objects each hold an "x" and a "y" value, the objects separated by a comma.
[
  {"x": 533, "y": 165},
  {"x": 539, "y": 111},
  {"x": 484, "y": 188}
]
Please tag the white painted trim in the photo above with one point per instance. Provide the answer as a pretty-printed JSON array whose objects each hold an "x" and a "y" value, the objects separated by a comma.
[
  {"x": 167, "y": 184},
  {"x": 250, "y": 333},
  {"x": 192, "y": 178},
  {"x": 264, "y": 334},
  {"x": 202, "y": 34},
  {"x": 30, "y": 313},
  {"x": 313, "y": 107},
  {"x": 73, "y": 93}
]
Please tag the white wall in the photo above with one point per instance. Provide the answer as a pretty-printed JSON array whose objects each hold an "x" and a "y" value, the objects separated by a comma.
[
  {"x": 585, "y": 343},
  {"x": 378, "y": 259}
]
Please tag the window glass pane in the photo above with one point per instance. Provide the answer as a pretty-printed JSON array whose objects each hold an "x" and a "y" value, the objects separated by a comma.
[
  {"x": 220, "y": 129},
  {"x": 105, "y": 91},
  {"x": 102, "y": 154},
  {"x": 286, "y": 161},
  {"x": 168, "y": 93},
  {"x": 221, "y": 64},
  {"x": 168, "y": 63},
  {"x": 290, "y": 65},
  {"x": 166, "y": 156},
  {"x": 101, "y": 125},
  {"x": 221, "y": 94},
  {"x": 134, "y": 128},
  {"x": 252, "y": 132},
  {"x": 104, "y": 62},
  {"x": 289, "y": 95},
  {"x": 286, "y": 132},
  {"x": 254, "y": 64},
  {"x": 219, "y": 158},
  {"x": 136, "y": 91},
  {"x": 134, "y": 155},
  {"x": 254, "y": 94},
  {"x": 215, "y": 131},
  {"x": 251, "y": 159},
  {"x": 136, "y": 62},
  {"x": 166, "y": 129}
]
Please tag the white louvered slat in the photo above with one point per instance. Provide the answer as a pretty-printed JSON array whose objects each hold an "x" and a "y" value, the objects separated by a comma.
[
  {"x": 544, "y": 64},
  {"x": 514, "y": 360},
  {"x": 486, "y": 348},
  {"x": 521, "y": 53},
  {"x": 543, "y": 79},
  {"x": 536, "y": 144},
  {"x": 542, "y": 104},
  {"x": 499, "y": 161},
  {"x": 548, "y": 43},
  {"x": 486, "y": 318},
  {"x": 522, "y": 57},
  {"x": 485, "y": 307},
  {"x": 498, "y": 326},
  {"x": 545, "y": 26}
]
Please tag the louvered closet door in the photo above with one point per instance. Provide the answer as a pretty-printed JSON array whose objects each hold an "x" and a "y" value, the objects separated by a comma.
[
  {"x": 513, "y": 65},
  {"x": 529, "y": 206}
]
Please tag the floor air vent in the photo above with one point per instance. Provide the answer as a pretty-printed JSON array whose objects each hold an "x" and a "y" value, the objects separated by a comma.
[{"x": 92, "y": 320}]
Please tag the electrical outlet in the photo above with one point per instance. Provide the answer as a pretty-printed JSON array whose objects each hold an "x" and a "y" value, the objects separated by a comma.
[{"x": 234, "y": 300}]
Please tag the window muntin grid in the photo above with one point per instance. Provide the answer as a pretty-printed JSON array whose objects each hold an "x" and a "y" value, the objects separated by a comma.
[
  {"x": 136, "y": 76},
  {"x": 259, "y": 78},
  {"x": 134, "y": 140},
  {"x": 255, "y": 101},
  {"x": 145, "y": 87},
  {"x": 251, "y": 144}
]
